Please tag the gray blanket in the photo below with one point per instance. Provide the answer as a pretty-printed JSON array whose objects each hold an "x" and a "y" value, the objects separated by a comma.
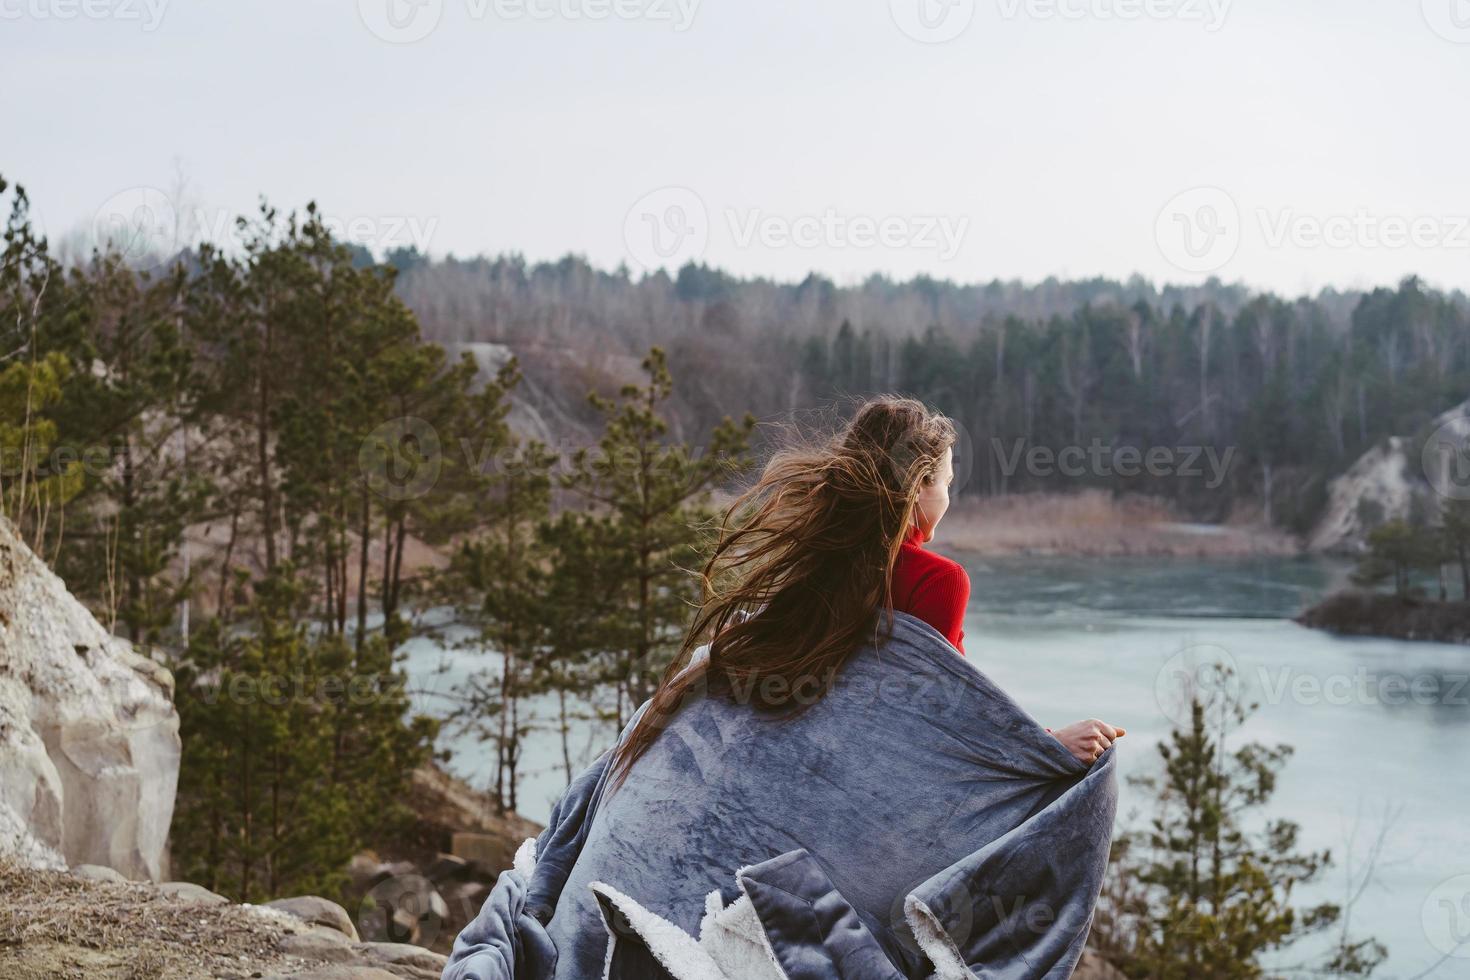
[{"x": 914, "y": 822}]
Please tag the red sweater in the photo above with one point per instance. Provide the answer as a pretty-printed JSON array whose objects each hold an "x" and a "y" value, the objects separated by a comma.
[{"x": 932, "y": 587}]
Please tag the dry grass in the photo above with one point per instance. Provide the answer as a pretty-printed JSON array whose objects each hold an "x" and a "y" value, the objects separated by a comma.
[
  {"x": 54, "y": 925},
  {"x": 1095, "y": 523}
]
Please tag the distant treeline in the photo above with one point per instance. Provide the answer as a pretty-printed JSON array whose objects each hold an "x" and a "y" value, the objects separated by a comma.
[{"x": 1288, "y": 392}]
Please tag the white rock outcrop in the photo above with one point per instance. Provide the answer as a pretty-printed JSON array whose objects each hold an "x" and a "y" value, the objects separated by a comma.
[
  {"x": 1380, "y": 479},
  {"x": 1397, "y": 479},
  {"x": 89, "y": 738}
]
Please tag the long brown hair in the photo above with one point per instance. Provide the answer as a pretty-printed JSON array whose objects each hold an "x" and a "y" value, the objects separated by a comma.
[{"x": 800, "y": 573}]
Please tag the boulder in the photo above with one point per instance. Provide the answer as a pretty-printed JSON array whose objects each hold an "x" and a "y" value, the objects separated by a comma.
[
  {"x": 482, "y": 849},
  {"x": 95, "y": 872},
  {"x": 89, "y": 738},
  {"x": 403, "y": 959},
  {"x": 448, "y": 867},
  {"x": 190, "y": 893},
  {"x": 318, "y": 911},
  {"x": 403, "y": 909},
  {"x": 319, "y": 944},
  {"x": 341, "y": 971},
  {"x": 364, "y": 868}
]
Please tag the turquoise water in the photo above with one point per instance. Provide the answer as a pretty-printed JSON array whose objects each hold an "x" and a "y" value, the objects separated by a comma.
[{"x": 1381, "y": 728}]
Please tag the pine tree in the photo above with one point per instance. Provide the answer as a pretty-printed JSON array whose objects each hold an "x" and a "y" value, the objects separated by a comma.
[
  {"x": 1200, "y": 894},
  {"x": 38, "y": 476},
  {"x": 655, "y": 495},
  {"x": 1395, "y": 550},
  {"x": 132, "y": 404},
  {"x": 577, "y": 614},
  {"x": 501, "y": 573},
  {"x": 1455, "y": 515},
  {"x": 296, "y": 751}
]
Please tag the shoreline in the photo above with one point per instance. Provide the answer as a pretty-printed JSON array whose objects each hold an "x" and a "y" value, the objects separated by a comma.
[
  {"x": 1095, "y": 524},
  {"x": 1085, "y": 524},
  {"x": 1353, "y": 612}
]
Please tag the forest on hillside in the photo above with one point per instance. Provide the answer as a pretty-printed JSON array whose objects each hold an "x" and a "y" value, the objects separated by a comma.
[{"x": 1288, "y": 391}]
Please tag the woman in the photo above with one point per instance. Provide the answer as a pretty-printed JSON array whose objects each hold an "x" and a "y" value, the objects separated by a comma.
[
  {"x": 828, "y": 544},
  {"x": 937, "y": 590},
  {"x": 821, "y": 785}
]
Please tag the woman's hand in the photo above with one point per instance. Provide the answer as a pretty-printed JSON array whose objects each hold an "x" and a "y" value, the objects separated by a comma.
[{"x": 1088, "y": 740}]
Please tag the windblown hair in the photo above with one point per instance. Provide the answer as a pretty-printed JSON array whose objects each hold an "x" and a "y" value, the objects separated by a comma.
[{"x": 799, "y": 578}]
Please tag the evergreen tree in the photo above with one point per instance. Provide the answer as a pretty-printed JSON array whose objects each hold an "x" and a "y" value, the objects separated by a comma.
[
  {"x": 578, "y": 615},
  {"x": 500, "y": 571},
  {"x": 1455, "y": 515},
  {"x": 1201, "y": 894},
  {"x": 1395, "y": 550},
  {"x": 132, "y": 404},
  {"x": 655, "y": 495},
  {"x": 296, "y": 751},
  {"x": 38, "y": 475}
]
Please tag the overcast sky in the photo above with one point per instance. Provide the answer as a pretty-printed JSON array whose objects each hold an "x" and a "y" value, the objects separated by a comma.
[{"x": 1289, "y": 144}]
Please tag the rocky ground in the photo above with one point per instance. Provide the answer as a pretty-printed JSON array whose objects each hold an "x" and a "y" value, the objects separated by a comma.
[
  {"x": 63, "y": 925},
  {"x": 443, "y": 868},
  {"x": 407, "y": 901},
  {"x": 82, "y": 925}
]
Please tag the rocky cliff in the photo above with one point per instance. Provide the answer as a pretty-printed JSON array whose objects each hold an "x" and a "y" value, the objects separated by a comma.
[
  {"x": 89, "y": 739},
  {"x": 1394, "y": 480},
  {"x": 1378, "y": 487}
]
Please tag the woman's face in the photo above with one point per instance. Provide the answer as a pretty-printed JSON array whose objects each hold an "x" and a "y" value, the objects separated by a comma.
[{"x": 934, "y": 495}]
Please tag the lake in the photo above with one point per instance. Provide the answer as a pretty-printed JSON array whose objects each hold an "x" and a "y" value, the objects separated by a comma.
[{"x": 1380, "y": 728}]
